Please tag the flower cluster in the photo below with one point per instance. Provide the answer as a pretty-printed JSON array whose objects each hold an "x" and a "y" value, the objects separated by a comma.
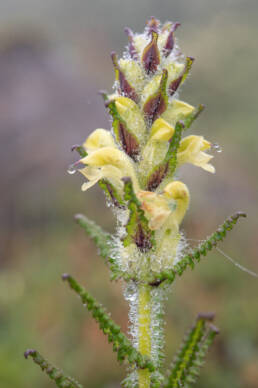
[{"x": 146, "y": 144}]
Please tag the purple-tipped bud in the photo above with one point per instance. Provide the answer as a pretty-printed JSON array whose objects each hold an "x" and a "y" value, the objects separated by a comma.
[
  {"x": 29, "y": 352},
  {"x": 170, "y": 43},
  {"x": 151, "y": 55},
  {"x": 206, "y": 316},
  {"x": 157, "y": 104},
  {"x": 153, "y": 25},
  {"x": 214, "y": 329},
  {"x": 131, "y": 47},
  {"x": 128, "y": 140},
  {"x": 174, "y": 85},
  {"x": 65, "y": 276},
  {"x": 125, "y": 88}
]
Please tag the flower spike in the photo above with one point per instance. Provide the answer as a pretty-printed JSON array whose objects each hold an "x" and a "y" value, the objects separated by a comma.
[{"x": 135, "y": 163}]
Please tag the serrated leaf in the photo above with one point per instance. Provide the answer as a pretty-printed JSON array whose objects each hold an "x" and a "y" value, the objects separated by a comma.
[
  {"x": 186, "y": 365},
  {"x": 54, "y": 373},
  {"x": 121, "y": 344},
  {"x": 197, "y": 253},
  {"x": 101, "y": 238}
]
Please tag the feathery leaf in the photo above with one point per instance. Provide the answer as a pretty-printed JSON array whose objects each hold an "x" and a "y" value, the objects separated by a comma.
[
  {"x": 103, "y": 241},
  {"x": 121, "y": 344},
  {"x": 197, "y": 253},
  {"x": 55, "y": 374},
  {"x": 101, "y": 238},
  {"x": 186, "y": 365}
]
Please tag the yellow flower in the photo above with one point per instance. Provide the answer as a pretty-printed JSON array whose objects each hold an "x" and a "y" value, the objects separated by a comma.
[
  {"x": 168, "y": 207},
  {"x": 98, "y": 139},
  {"x": 161, "y": 130},
  {"x": 156, "y": 208},
  {"x": 180, "y": 193},
  {"x": 109, "y": 163},
  {"x": 191, "y": 150},
  {"x": 155, "y": 150},
  {"x": 177, "y": 110}
]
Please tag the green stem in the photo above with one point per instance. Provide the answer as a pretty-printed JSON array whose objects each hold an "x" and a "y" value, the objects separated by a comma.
[{"x": 144, "y": 331}]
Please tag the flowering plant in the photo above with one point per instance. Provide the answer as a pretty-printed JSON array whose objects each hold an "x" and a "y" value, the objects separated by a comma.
[{"x": 135, "y": 164}]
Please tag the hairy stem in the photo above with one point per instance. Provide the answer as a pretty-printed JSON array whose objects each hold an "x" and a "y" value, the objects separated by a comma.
[{"x": 144, "y": 331}]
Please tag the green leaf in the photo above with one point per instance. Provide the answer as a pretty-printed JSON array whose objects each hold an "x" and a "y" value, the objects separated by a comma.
[
  {"x": 55, "y": 374},
  {"x": 137, "y": 227},
  {"x": 80, "y": 149},
  {"x": 186, "y": 365},
  {"x": 192, "y": 117},
  {"x": 101, "y": 238},
  {"x": 121, "y": 344},
  {"x": 197, "y": 253}
]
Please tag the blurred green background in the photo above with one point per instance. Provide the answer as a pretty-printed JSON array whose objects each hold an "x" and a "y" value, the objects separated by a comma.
[{"x": 54, "y": 57}]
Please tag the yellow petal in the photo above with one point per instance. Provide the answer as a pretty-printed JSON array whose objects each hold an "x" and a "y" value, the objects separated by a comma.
[
  {"x": 177, "y": 110},
  {"x": 94, "y": 174},
  {"x": 98, "y": 139},
  {"x": 155, "y": 207},
  {"x": 191, "y": 151},
  {"x": 105, "y": 155},
  {"x": 161, "y": 130},
  {"x": 179, "y": 192},
  {"x": 109, "y": 156}
]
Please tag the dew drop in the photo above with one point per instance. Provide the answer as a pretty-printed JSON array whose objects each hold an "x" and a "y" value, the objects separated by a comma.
[
  {"x": 71, "y": 169},
  {"x": 216, "y": 147}
]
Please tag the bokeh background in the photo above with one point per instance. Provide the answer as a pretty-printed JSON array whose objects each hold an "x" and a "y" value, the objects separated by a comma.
[{"x": 54, "y": 57}]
